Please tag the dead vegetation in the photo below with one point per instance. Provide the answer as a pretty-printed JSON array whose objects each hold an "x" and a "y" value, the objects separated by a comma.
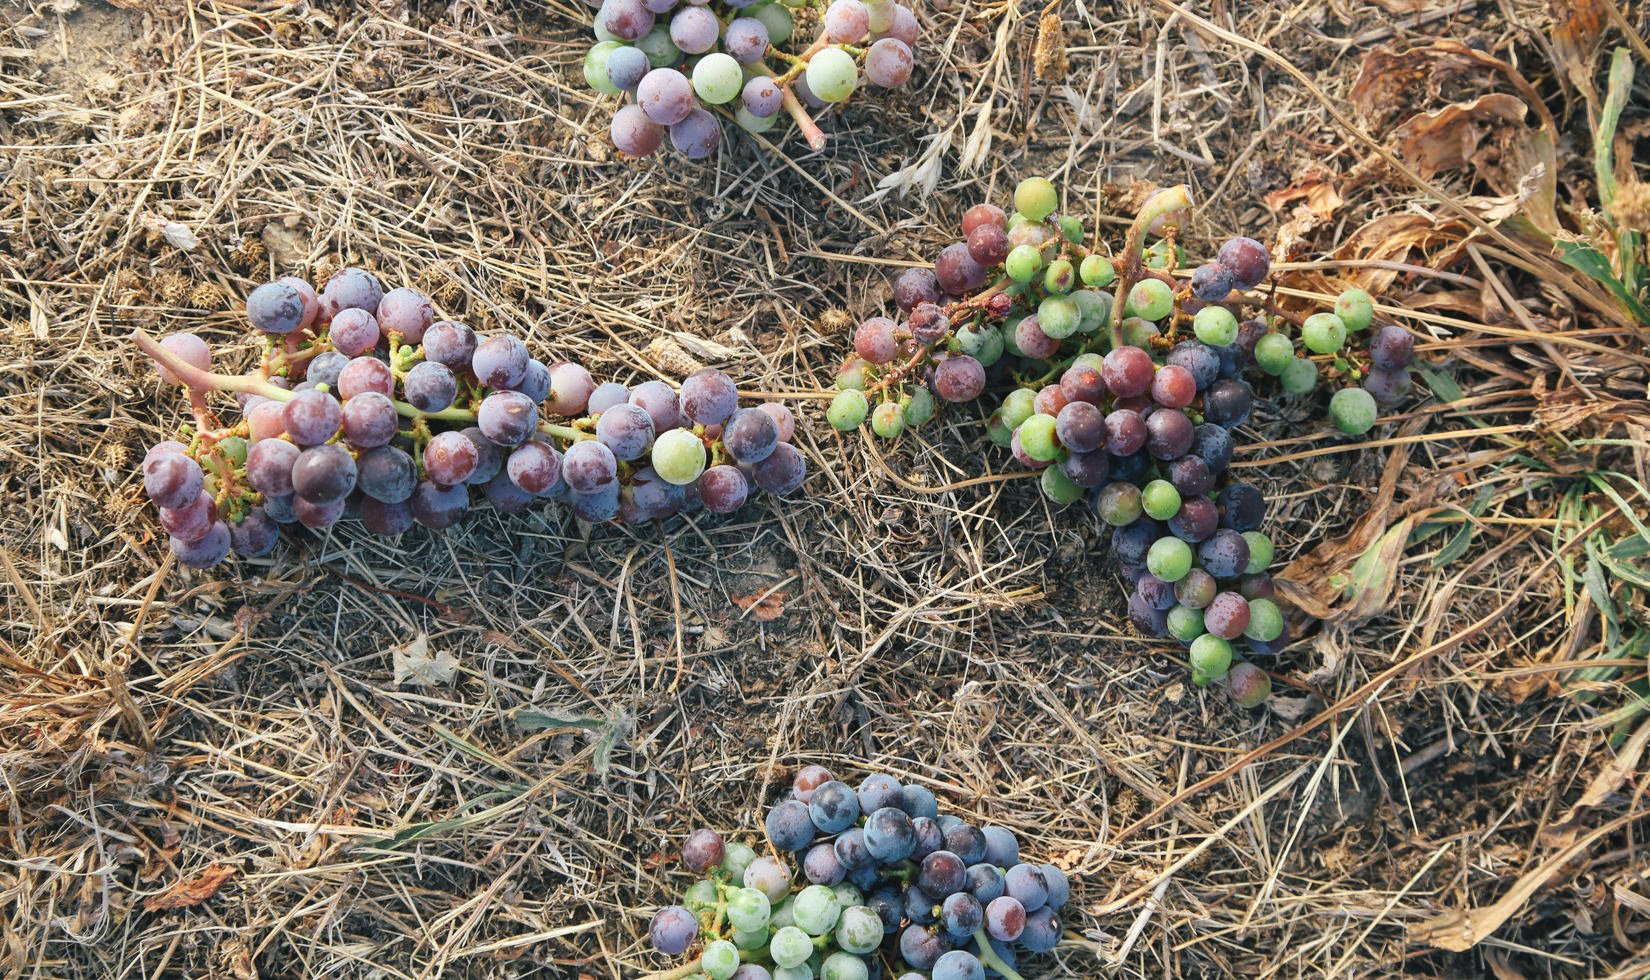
[{"x": 473, "y": 754}]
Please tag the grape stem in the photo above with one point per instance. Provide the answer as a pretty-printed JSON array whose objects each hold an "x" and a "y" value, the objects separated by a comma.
[
  {"x": 1166, "y": 201},
  {"x": 799, "y": 113},
  {"x": 989, "y": 958},
  {"x": 199, "y": 382}
]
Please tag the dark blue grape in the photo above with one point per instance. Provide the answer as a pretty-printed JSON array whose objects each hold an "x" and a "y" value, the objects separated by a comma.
[
  {"x": 1158, "y": 593},
  {"x": 960, "y": 915},
  {"x": 985, "y": 882},
  {"x": 889, "y": 836},
  {"x": 1059, "y": 886},
  {"x": 1197, "y": 519},
  {"x": 1225, "y": 554},
  {"x": 1130, "y": 543},
  {"x": 835, "y": 806},
  {"x": 1146, "y": 617},
  {"x": 789, "y": 827},
  {"x": 877, "y": 791},
  {"x": 1002, "y": 848},
  {"x": 958, "y": 965},
  {"x": 919, "y": 802},
  {"x": 919, "y": 946},
  {"x": 1042, "y": 932},
  {"x": 1025, "y": 884},
  {"x": 1243, "y": 507},
  {"x": 1191, "y": 476},
  {"x": 852, "y": 852},
  {"x": 1087, "y": 469},
  {"x": 928, "y": 835},
  {"x": 1198, "y": 358},
  {"x": 1130, "y": 468},
  {"x": 821, "y": 865},
  {"x": 750, "y": 435},
  {"x": 1211, "y": 282},
  {"x": 942, "y": 873},
  {"x": 967, "y": 842},
  {"x": 1228, "y": 402},
  {"x": 672, "y": 930},
  {"x": 889, "y": 905},
  {"x": 1214, "y": 444}
]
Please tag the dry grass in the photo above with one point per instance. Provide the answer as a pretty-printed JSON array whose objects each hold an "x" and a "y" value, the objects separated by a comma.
[{"x": 154, "y": 723}]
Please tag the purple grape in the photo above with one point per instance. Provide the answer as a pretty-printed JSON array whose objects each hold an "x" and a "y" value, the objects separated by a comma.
[
  {"x": 1211, "y": 282},
  {"x": 192, "y": 520},
  {"x": 782, "y": 417},
  {"x": 450, "y": 458},
  {"x": 172, "y": 479},
  {"x": 919, "y": 946},
  {"x": 942, "y": 873},
  {"x": 913, "y": 287},
  {"x": 534, "y": 467},
  {"x": 959, "y": 378},
  {"x": 430, "y": 386},
  {"x": 625, "y": 429},
  {"x": 673, "y": 930},
  {"x": 966, "y": 841},
  {"x": 436, "y": 506},
  {"x": 612, "y": 393},
  {"x": 449, "y": 343},
  {"x": 1227, "y": 615},
  {"x": 323, "y": 474},
  {"x": 369, "y": 420},
  {"x": 311, "y": 417},
  {"x": 505, "y": 496},
  {"x": 626, "y": 66},
  {"x": 1080, "y": 427},
  {"x": 1224, "y": 554},
  {"x": 1083, "y": 383},
  {"x": 709, "y": 397},
  {"x": 660, "y": 403},
  {"x": 888, "y": 64},
  {"x": 269, "y": 466},
  {"x": 1246, "y": 261},
  {"x": 535, "y": 384},
  {"x": 1086, "y": 469},
  {"x": 500, "y": 362},
  {"x": 254, "y": 535},
  {"x": 666, "y": 95},
  {"x": 1392, "y": 347},
  {"x": 1191, "y": 476},
  {"x": 762, "y": 98},
  {"x": 782, "y": 471},
  {"x": 1198, "y": 358},
  {"x": 960, "y": 915},
  {"x": 627, "y": 20},
  {"x": 694, "y": 30},
  {"x": 276, "y": 307},
  {"x": 570, "y": 388},
  {"x": 1169, "y": 434},
  {"x": 507, "y": 418},
  {"x": 874, "y": 340},
  {"x": 205, "y": 551},
  {"x": 702, "y": 849},
  {"x": 723, "y": 489},
  {"x": 633, "y": 132},
  {"x": 956, "y": 271},
  {"x": 386, "y": 474},
  {"x": 1388, "y": 385},
  {"x": 354, "y": 332},
  {"x": 351, "y": 289},
  {"x": 598, "y": 507},
  {"x": 821, "y": 865},
  {"x": 1155, "y": 592},
  {"x": 1128, "y": 371},
  {"x": 364, "y": 374},
  {"x": 387, "y": 519},
  {"x": 589, "y": 467},
  {"x": 1197, "y": 519},
  {"x": 697, "y": 135},
  {"x": 1131, "y": 541},
  {"x": 1005, "y": 919},
  {"x": 405, "y": 311},
  {"x": 750, "y": 436},
  {"x": 1126, "y": 432},
  {"x": 745, "y": 39}
]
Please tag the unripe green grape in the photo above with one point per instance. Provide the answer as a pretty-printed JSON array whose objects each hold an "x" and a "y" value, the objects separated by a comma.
[
  {"x": 1089, "y": 360},
  {"x": 1138, "y": 332},
  {"x": 1021, "y": 404},
  {"x": 1265, "y": 621},
  {"x": 991, "y": 349},
  {"x": 832, "y": 74},
  {"x": 1037, "y": 437},
  {"x": 1168, "y": 558},
  {"x": 919, "y": 407},
  {"x": 791, "y": 946},
  {"x": 751, "y": 940},
  {"x": 1300, "y": 377},
  {"x": 718, "y": 79},
  {"x": 1248, "y": 685},
  {"x": 1353, "y": 411},
  {"x": 752, "y": 123},
  {"x": 719, "y": 960},
  {"x": 777, "y": 20},
  {"x": 859, "y": 930},
  {"x": 1260, "y": 552},
  {"x": 1274, "y": 352},
  {"x": 1355, "y": 308},
  {"x": 816, "y": 910},
  {"x": 1094, "y": 308},
  {"x": 847, "y": 896},
  {"x": 1210, "y": 657},
  {"x": 736, "y": 857},
  {"x": 1060, "y": 277},
  {"x": 749, "y": 909},
  {"x": 848, "y": 409},
  {"x": 1160, "y": 499},
  {"x": 1162, "y": 255},
  {"x": 888, "y": 419},
  {"x": 1150, "y": 299},
  {"x": 1097, "y": 271},
  {"x": 1057, "y": 486},
  {"x": 971, "y": 338},
  {"x": 1006, "y": 334},
  {"x": 1059, "y": 316},
  {"x": 1118, "y": 503},
  {"x": 595, "y": 67},
  {"x": 1072, "y": 228},
  {"x": 700, "y": 895},
  {"x": 661, "y": 51},
  {"x": 1035, "y": 197},
  {"x": 1185, "y": 623},
  {"x": 853, "y": 375},
  {"x": 1215, "y": 325},
  {"x": 678, "y": 456},
  {"x": 781, "y": 916},
  {"x": 233, "y": 449},
  {"x": 998, "y": 431},
  {"x": 1323, "y": 333},
  {"x": 1023, "y": 263},
  {"x": 843, "y": 966}
]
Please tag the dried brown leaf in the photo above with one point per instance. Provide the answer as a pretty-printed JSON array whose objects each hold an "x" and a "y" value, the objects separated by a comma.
[
  {"x": 187, "y": 894},
  {"x": 762, "y": 606}
]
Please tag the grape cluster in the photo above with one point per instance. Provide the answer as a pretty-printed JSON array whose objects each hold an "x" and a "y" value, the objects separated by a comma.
[
  {"x": 366, "y": 405},
  {"x": 1124, "y": 384},
  {"x": 861, "y": 884},
  {"x": 682, "y": 59}
]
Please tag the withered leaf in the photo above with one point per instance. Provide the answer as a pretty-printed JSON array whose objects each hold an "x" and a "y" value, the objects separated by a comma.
[
  {"x": 762, "y": 606},
  {"x": 187, "y": 894}
]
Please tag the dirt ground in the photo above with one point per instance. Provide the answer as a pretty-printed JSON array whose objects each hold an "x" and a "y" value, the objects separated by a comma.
[{"x": 1448, "y": 782}]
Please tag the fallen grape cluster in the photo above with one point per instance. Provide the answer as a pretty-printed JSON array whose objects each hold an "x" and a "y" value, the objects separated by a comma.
[
  {"x": 1124, "y": 378},
  {"x": 682, "y": 59},
  {"x": 365, "y": 405},
  {"x": 860, "y": 884}
]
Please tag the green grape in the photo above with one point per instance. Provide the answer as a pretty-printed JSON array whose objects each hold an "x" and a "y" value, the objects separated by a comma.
[
  {"x": 234, "y": 449},
  {"x": 999, "y": 433},
  {"x": 1035, "y": 198},
  {"x": 1060, "y": 277},
  {"x": 1072, "y": 228},
  {"x": 888, "y": 419},
  {"x": 679, "y": 456},
  {"x": 782, "y": 916},
  {"x": 749, "y": 909},
  {"x": 1021, "y": 404},
  {"x": 1170, "y": 559},
  {"x": 832, "y": 74},
  {"x": 1260, "y": 552},
  {"x": 1023, "y": 263},
  {"x": 1139, "y": 333},
  {"x": 754, "y": 939},
  {"x": 971, "y": 339},
  {"x": 1185, "y": 623},
  {"x": 718, "y": 79},
  {"x": 1265, "y": 620},
  {"x": 847, "y": 896},
  {"x": 1006, "y": 335},
  {"x": 661, "y": 51},
  {"x": 1150, "y": 299},
  {"x": 719, "y": 960},
  {"x": 1058, "y": 316},
  {"x": 1097, "y": 271},
  {"x": 1274, "y": 352},
  {"x": 1162, "y": 255},
  {"x": 843, "y": 966},
  {"x": 1160, "y": 499},
  {"x": 791, "y": 946},
  {"x": 777, "y": 20},
  {"x": 991, "y": 348},
  {"x": 1299, "y": 377},
  {"x": 700, "y": 895},
  {"x": 1353, "y": 411},
  {"x": 801, "y": 971},
  {"x": 595, "y": 67},
  {"x": 736, "y": 857},
  {"x": 1355, "y": 309},
  {"x": 1211, "y": 657},
  {"x": 752, "y": 123},
  {"x": 1323, "y": 333},
  {"x": 1215, "y": 326},
  {"x": 919, "y": 407},
  {"x": 859, "y": 930},
  {"x": 1118, "y": 503},
  {"x": 1058, "y": 487},
  {"x": 1094, "y": 308},
  {"x": 1037, "y": 437},
  {"x": 816, "y": 910},
  {"x": 848, "y": 409},
  {"x": 1014, "y": 218},
  {"x": 1089, "y": 360}
]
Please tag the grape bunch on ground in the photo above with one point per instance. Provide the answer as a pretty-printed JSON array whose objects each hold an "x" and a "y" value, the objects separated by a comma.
[
  {"x": 1125, "y": 376},
  {"x": 365, "y": 405},
  {"x": 685, "y": 61},
  {"x": 860, "y": 884}
]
